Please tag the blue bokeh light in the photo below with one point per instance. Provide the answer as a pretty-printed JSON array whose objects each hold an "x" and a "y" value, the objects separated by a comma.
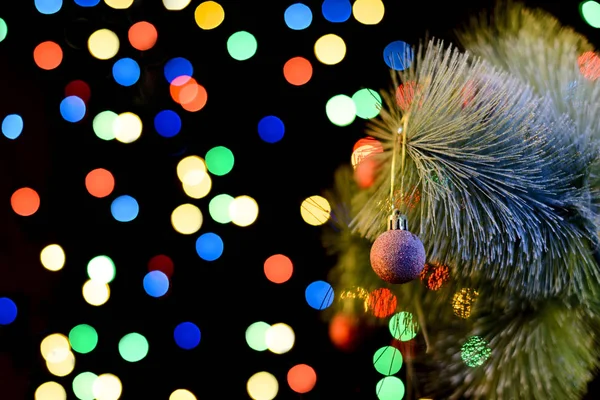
[
  {"x": 336, "y": 10},
  {"x": 209, "y": 246},
  {"x": 8, "y": 311},
  {"x": 12, "y": 126},
  {"x": 298, "y": 16},
  {"x": 72, "y": 109},
  {"x": 271, "y": 129},
  {"x": 156, "y": 283},
  {"x": 48, "y": 7},
  {"x": 398, "y": 55},
  {"x": 177, "y": 67},
  {"x": 167, "y": 123},
  {"x": 187, "y": 335},
  {"x": 124, "y": 208},
  {"x": 126, "y": 72},
  {"x": 319, "y": 295},
  {"x": 87, "y": 3}
]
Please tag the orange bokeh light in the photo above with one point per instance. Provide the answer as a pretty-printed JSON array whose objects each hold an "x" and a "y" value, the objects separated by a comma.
[
  {"x": 589, "y": 65},
  {"x": 405, "y": 93},
  {"x": 99, "y": 183},
  {"x": 302, "y": 378},
  {"x": 382, "y": 302},
  {"x": 343, "y": 331},
  {"x": 199, "y": 100},
  {"x": 25, "y": 202},
  {"x": 179, "y": 84},
  {"x": 48, "y": 55},
  {"x": 366, "y": 173},
  {"x": 297, "y": 71},
  {"x": 278, "y": 268},
  {"x": 142, "y": 35}
]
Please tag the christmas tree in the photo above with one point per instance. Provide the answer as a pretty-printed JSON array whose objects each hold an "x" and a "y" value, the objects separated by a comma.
[{"x": 489, "y": 148}]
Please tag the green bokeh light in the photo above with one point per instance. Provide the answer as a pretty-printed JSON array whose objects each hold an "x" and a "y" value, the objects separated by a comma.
[
  {"x": 218, "y": 208},
  {"x": 3, "y": 29},
  {"x": 256, "y": 336},
  {"x": 475, "y": 351},
  {"x": 341, "y": 110},
  {"x": 242, "y": 45},
  {"x": 101, "y": 269},
  {"x": 83, "y": 384},
  {"x": 103, "y": 125},
  {"x": 590, "y": 12},
  {"x": 390, "y": 388},
  {"x": 83, "y": 338},
  {"x": 219, "y": 160},
  {"x": 387, "y": 360},
  {"x": 403, "y": 327},
  {"x": 133, "y": 347},
  {"x": 367, "y": 102}
]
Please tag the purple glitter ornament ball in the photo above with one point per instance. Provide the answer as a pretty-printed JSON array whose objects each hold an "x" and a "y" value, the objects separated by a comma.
[{"x": 398, "y": 256}]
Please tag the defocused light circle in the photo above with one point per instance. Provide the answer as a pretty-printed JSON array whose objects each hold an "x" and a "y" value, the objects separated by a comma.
[
  {"x": 256, "y": 336},
  {"x": 103, "y": 125},
  {"x": 242, "y": 45},
  {"x": 297, "y": 71},
  {"x": 48, "y": 7},
  {"x": 176, "y": 67},
  {"x": 218, "y": 207},
  {"x": 62, "y": 368},
  {"x": 142, "y": 35},
  {"x": 199, "y": 190},
  {"x": 209, "y": 15},
  {"x": 387, "y": 360},
  {"x": 156, "y": 283},
  {"x": 107, "y": 387},
  {"x": 99, "y": 183},
  {"x": 271, "y": 129},
  {"x": 104, "y": 44},
  {"x": 3, "y": 29},
  {"x": 390, "y": 388},
  {"x": 127, "y": 127},
  {"x": 280, "y": 338},
  {"x": 319, "y": 295},
  {"x": 368, "y": 12},
  {"x": 243, "y": 211},
  {"x": 187, "y": 335},
  {"x": 262, "y": 386},
  {"x": 182, "y": 394},
  {"x": 302, "y": 378},
  {"x": 209, "y": 246},
  {"x": 72, "y": 109},
  {"x": 176, "y": 5},
  {"x": 8, "y": 311},
  {"x": 101, "y": 269},
  {"x": 126, "y": 72},
  {"x": 83, "y": 385},
  {"x": 50, "y": 391},
  {"x": 167, "y": 123},
  {"x": 87, "y": 3},
  {"x": 80, "y": 89},
  {"x": 191, "y": 170},
  {"x": 119, "y": 4},
  {"x": 341, "y": 110},
  {"x": 590, "y": 12},
  {"x": 55, "y": 348},
  {"x": 48, "y": 55},
  {"x": 53, "y": 257},
  {"x": 278, "y": 268},
  {"x": 12, "y": 126},
  {"x": 219, "y": 160},
  {"x": 162, "y": 263},
  {"x": 367, "y": 102},
  {"x": 25, "y": 202},
  {"x": 186, "y": 219},
  {"x": 95, "y": 293},
  {"x": 124, "y": 208},
  {"x": 298, "y": 16},
  {"x": 336, "y": 11},
  {"x": 133, "y": 347},
  {"x": 83, "y": 338},
  {"x": 398, "y": 55},
  {"x": 315, "y": 210},
  {"x": 330, "y": 49}
]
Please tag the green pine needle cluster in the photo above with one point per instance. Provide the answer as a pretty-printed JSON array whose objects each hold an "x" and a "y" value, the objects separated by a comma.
[{"x": 502, "y": 143}]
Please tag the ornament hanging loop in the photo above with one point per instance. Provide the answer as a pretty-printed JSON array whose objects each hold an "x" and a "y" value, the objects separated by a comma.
[{"x": 397, "y": 221}]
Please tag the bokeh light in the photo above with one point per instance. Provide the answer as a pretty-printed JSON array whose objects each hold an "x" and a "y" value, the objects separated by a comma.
[
  {"x": 367, "y": 102},
  {"x": 186, "y": 219},
  {"x": 50, "y": 391},
  {"x": 403, "y": 326},
  {"x": 48, "y": 7},
  {"x": 387, "y": 360},
  {"x": 126, "y": 72},
  {"x": 87, "y": 3},
  {"x": 12, "y": 126},
  {"x": 167, "y": 123},
  {"x": 72, "y": 109},
  {"x": 133, "y": 347},
  {"x": 256, "y": 336},
  {"x": 80, "y": 89},
  {"x": 187, "y": 335},
  {"x": 390, "y": 388},
  {"x": 278, "y": 268},
  {"x": 127, "y": 127},
  {"x": 381, "y": 302},
  {"x": 209, "y": 15},
  {"x": 95, "y": 293},
  {"x": 398, "y": 55},
  {"x": 315, "y": 210},
  {"x": 191, "y": 170},
  {"x": 336, "y": 11},
  {"x": 103, "y": 44},
  {"x": 218, "y": 208},
  {"x": 101, "y": 269},
  {"x": 330, "y": 49},
  {"x": 119, "y": 4},
  {"x": 48, "y": 55},
  {"x": 177, "y": 67},
  {"x": 243, "y": 211},
  {"x": 103, "y": 125},
  {"x": 62, "y": 368},
  {"x": 341, "y": 110},
  {"x": 142, "y": 35},
  {"x": 368, "y": 12},
  {"x": 8, "y": 311},
  {"x": 83, "y": 338},
  {"x": 242, "y": 45},
  {"x": 182, "y": 394},
  {"x": 25, "y": 202},
  {"x": 193, "y": 97},
  {"x": 297, "y": 71},
  {"x": 3, "y": 29},
  {"x": 176, "y": 5},
  {"x": 262, "y": 386},
  {"x": 319, "y": 295},
  {"x": 55, "y": 348},
  {"x": 302, "y": 378},
  {"x": 280, "y": 338},
  {"x": 590, "y": 12},
  {"x": 124, "y": 208},
  {"x": 162, "y": 263},
  {"x": 298, "y": 16},
  {"x": 183, "y": 89},
  {"x": 156, "y": 283},
  {"x": 99, "y": 182},
  {"x": 107, "y": 387},
  {"x": 219, "y": 160},
  {"x": 200, "y": 189},
  {"x": 209, "y": 246},
  {"x": 271, "y": 129},
  {"x": 53, "y": 257},
  {"x": 83, "y": 385}
]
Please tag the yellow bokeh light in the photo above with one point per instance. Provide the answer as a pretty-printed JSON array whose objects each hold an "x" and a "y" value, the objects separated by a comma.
[
  {"x": 53, "y": 257},
  {"x": 50, "y": 391},
  {"x": 262, "y": 386},
  {"x": 176, "y": 5},
  {"x": 103, "y": 44},
  {"x": 330, "y": 49},
  {"x": 191, "y": 170},
  {"x": 315, "y": 210},
  {"x": 186, "y": 219},
  {"x": 55, "y": 348},
  {"x": 127, "y": 127},
  {"x": 119, "y": 4},
  {"x": 199, "y": 190},
  {"x": 182, "y": 394},
  {"x": 107, "y": 387},
  {"x": 62, "y": 368},
  {"x": 280, "y": 338},
  {"x": 243, "y": 210},
  {"x": 95, "y": 293},
  {"x": 368, "y": 12},
  {"x": 209, "y": 15}
]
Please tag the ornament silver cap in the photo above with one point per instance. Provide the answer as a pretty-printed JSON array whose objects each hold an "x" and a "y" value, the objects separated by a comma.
[{"x": 397, "y": 221}]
